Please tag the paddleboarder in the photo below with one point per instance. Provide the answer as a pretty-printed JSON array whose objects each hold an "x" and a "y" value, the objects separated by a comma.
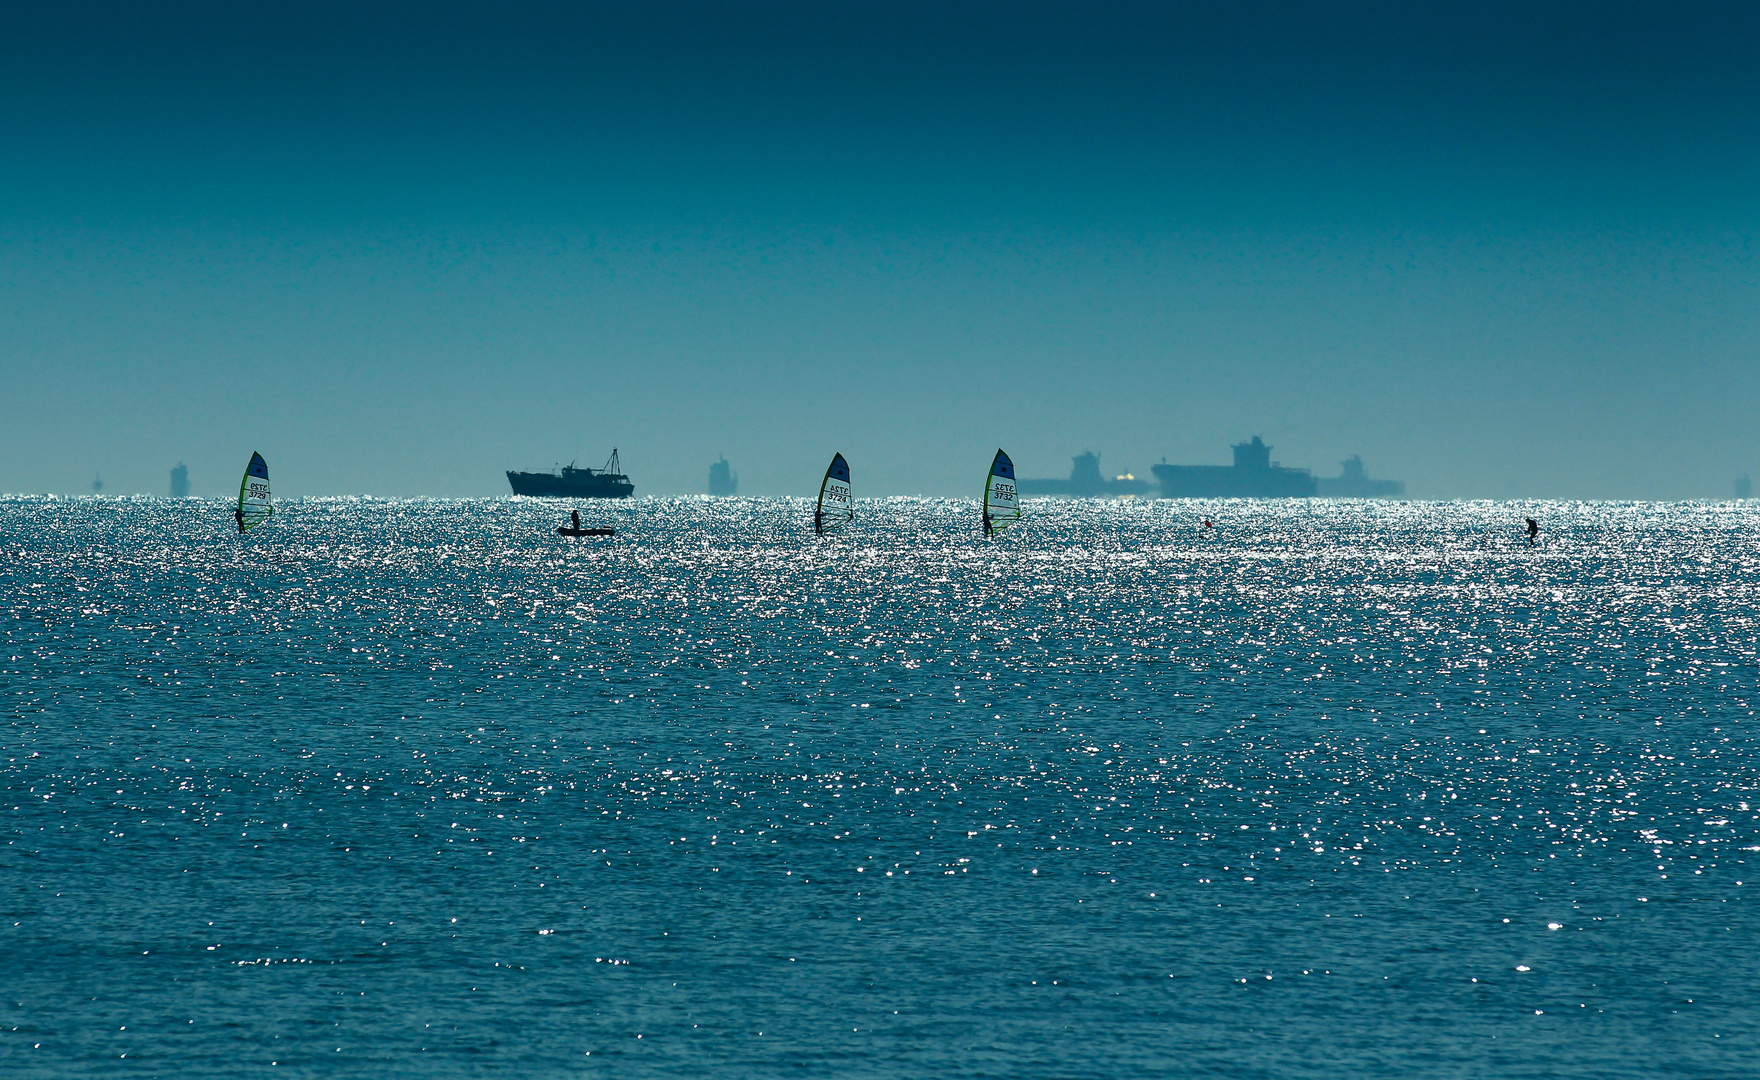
[{"x": 1533, "y": 530}]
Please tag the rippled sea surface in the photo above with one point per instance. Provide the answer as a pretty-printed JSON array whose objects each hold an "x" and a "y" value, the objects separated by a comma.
[{"x": 417, "y": 789}]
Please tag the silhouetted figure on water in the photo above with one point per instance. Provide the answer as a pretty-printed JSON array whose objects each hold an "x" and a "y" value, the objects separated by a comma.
[
  {"x": 576, "y": 516},
  {"x": 1533, "y": 530}
]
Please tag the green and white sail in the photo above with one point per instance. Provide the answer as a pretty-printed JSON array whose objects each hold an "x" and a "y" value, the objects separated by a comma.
[
  {"x": 835, "y": 509},
  {"x": 1002, "y": 507},
  {"x": 253, "y": 495}
]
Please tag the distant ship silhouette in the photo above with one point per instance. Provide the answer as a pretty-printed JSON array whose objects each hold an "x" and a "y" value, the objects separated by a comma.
[
  {"x": 1354, "y": 483},
  {"x": 722, "y": 479},
  {"x": 1252, "y": 476},
  {"x": 1085, "y": 481},
  {"x": 569, "y": 482}
]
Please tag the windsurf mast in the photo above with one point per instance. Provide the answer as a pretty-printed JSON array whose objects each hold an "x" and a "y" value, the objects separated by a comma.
[
  {"x": 1002, "y": 507},
  {"x": 254, "y": 507},
  {"x": 835, "y": 508}
]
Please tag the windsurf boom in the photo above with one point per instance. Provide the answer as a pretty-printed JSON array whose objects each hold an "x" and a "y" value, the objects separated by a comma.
[
  {"x": 254, "y": 507},
  {"x": 835, "y": 508},
  {"x": 1002, "y": 506}
]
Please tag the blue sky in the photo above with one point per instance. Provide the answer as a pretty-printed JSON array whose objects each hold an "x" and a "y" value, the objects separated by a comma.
[{"x": 1498, "y": 250}]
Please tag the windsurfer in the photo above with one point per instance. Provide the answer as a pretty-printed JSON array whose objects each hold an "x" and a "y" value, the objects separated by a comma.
[
  {"x": 238, "y": 515},
  {"x": 1533, "y": 530},
  {"x": 834, "y": 509},
  {"x": 1002, "y": 506}
]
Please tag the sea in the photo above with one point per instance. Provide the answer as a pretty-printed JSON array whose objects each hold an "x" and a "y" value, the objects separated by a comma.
[{"x": 1333, "y": 788}]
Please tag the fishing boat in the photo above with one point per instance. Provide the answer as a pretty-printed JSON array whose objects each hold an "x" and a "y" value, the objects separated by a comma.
[
  {"x": 569, "y": 482},
  {"x": 575, "y": 529},
  {"x": 835, "y": 509},
  {"x": 254, "y": 507},
  {"x": 1002, "y": 506}
]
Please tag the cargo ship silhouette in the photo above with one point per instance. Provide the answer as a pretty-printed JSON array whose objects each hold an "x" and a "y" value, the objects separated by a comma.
[
  {"x": 722, "y": 479},
  {"x": 1252, "y": 476},
  {"x": 1085, "y": 481}
]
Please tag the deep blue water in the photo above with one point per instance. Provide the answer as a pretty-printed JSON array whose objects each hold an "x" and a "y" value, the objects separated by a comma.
[{"x": 1339, "y": 789}]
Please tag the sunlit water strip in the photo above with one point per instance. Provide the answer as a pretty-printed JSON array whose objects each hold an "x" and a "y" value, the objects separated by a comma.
[{"x": 416, "y": 788}]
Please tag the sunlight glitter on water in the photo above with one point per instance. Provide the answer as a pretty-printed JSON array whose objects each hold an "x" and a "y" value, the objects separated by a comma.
[{"x": 1331, "y": 735}]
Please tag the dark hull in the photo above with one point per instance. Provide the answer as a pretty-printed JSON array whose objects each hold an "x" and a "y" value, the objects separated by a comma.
[
  {"x": 564, "y": 530},
  {"x": 572, "y": 484}
]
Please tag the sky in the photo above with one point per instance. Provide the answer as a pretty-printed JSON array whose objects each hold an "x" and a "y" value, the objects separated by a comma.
[{"x": 1499, "y": 250}]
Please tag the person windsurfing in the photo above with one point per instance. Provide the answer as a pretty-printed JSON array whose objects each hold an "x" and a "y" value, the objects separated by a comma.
[
  {"x": 238, "y": 515},
  {"x": 1533, "y": 530}
]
